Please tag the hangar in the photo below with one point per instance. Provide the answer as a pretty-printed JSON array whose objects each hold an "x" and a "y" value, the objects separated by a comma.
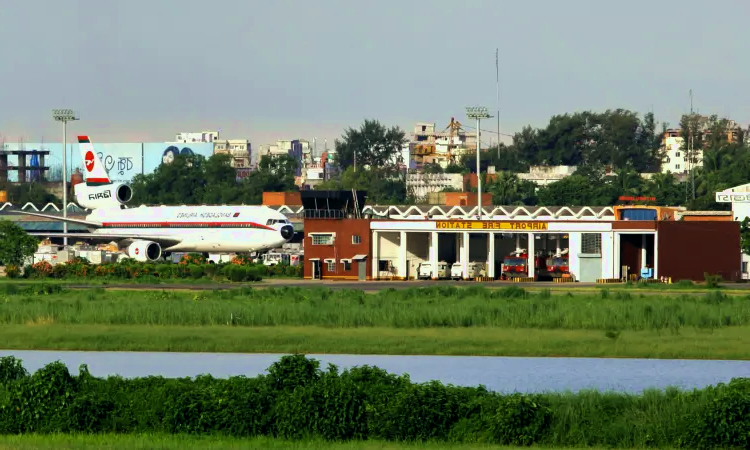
[{"x": 345, "y": 240}]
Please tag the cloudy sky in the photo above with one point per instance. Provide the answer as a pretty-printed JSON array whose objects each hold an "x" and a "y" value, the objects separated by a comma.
[{"x": 264, "y": 70}]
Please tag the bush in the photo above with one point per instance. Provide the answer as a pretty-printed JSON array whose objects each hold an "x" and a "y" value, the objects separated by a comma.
[
  {"x": 297, "y": 400},
  {"x": 712, "y": 281},
  {"x": 130, "y": 269},
  {"x": 12, "y": 271}
]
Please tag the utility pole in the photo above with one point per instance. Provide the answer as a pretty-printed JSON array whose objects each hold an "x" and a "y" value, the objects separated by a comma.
[
  {"x": 64, "y": 116},
  {"x": 479, "y": 113},
  {"x": 497, "y": 87}
]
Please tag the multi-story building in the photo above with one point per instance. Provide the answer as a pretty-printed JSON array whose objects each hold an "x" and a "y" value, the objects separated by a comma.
[
  {"x": 240, "y": 149},
  {"x": 442, "y": 147},
  {"x": 544, "y": 175},
  {"x": 201, "y": 136},
  {"x": 675, "y": 157},
  {"x": 420, "y": 185},
  {"x": 299, "y": 149}
]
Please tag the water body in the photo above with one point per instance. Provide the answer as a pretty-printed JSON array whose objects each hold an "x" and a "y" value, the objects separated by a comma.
[{"x": 501, "y": 374}]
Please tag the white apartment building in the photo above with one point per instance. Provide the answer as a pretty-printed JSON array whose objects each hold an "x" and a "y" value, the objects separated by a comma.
[
  {"x": 544, "y": 175},
  {"x": 422, "y": 184},
  {"x": 675, "y": 158},
  {"x": 201, "y": 136},
  {"x": 240, "y": 149}
]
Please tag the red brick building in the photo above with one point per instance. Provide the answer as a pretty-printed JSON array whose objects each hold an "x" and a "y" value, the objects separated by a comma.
[
  {"x": 337, "y": 239},
  {"x": 337, "y": 249}
]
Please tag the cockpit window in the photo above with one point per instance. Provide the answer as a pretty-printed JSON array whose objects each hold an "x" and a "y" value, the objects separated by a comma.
[{"x": 275, "y": 221}]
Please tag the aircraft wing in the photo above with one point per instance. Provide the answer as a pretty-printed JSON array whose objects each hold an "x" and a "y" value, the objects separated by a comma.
[
  {"x": 57, "y": 218},
  {"x": 164, "y": 241}
]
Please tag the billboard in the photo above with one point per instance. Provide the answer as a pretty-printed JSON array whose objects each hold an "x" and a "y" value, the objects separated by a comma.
[
  {"x": 122, "y": 161},
  {"x": 156, "y": 153}
]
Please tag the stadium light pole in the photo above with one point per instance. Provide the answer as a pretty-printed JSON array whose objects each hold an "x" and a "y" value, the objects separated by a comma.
[
  {"x": 64, "y": 116},
  {"x": 479, "y": 113}
]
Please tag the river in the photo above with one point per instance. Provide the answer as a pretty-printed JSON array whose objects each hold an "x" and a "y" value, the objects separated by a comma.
[{"x": 502, "y": 374}]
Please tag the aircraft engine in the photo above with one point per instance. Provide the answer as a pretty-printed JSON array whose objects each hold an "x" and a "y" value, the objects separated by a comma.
[
  {"x": 144, "y": 251},
  {"x": 108, "y": 195}
]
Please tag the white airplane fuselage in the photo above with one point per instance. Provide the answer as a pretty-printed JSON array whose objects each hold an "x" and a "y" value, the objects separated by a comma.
[
  {"x": 217, "y": 229},
  {"x": 146, "y": 232}
]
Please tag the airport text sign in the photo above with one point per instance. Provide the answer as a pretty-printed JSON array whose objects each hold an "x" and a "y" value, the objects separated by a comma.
[
  {"x": 476, "y": 225},
  {"x": 733, "y": 197}
]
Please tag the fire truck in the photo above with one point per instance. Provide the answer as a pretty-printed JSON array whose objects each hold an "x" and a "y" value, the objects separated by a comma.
[
  {"x": 516, "y": 264},
  {"x": 557, "y": 265}
]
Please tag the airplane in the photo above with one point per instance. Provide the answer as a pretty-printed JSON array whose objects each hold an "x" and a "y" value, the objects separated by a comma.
[{"x": 147, "y": 233}]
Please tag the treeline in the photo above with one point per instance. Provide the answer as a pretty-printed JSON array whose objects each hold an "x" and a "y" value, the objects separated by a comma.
[
  {"x": 610, "y": 150},
  {"x": 297, "y": 400},
  {"x": 195, "y": 180}
]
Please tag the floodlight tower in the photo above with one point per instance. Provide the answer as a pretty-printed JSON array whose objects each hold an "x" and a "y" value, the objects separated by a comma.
[
  {"x": 64, "y": 116},
  {"x": 479, "y": 113}
]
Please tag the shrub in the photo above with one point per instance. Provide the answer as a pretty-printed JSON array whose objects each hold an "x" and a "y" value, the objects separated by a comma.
[
  {"x": 196, "y": 271},
  {"x": 41, "y": 269},
  {"x": 12, "y": 271},
  {"x": 297, "y": 400},
  {"x": 712, "y": 281},
  {"x": 237, "y": 273},
  {"x": 725, "y": 423},
  {"x": 520, "y": 420}
]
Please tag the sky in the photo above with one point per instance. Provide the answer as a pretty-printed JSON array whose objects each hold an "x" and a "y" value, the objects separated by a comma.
[{"x": 265, "y": 70}]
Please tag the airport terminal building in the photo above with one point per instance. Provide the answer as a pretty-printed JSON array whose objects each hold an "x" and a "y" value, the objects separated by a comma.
[{"x": 344, "y": 240}]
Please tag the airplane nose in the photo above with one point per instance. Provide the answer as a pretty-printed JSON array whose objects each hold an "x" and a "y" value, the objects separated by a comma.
[{"x": 287, "y": 231}]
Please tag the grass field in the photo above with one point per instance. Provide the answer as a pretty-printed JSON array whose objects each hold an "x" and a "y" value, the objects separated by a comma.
[
  {"x": 438, "y": 320},
  {"x": 726, "y": 343},
  {"x": 181, "y": 442},
  {"x": 437, "y": 307}
]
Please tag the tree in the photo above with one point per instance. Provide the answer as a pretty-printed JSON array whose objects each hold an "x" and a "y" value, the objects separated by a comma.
[
  {"x": 373, "y": 146},
  {"x": 15, "y": 244},
  {"x": 745, "y": 236},
  {"x": 22, "y": 193}
]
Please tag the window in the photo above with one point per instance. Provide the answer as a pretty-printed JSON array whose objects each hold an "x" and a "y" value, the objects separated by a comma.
[
  {"x": 347, "y": 265},
  {"x": 591, "y": 243},
  {"x": 677, "y": 166},
  {"x": 331, "y": 266},
  {"x": 356, "y": 239},
  {"x": 322, "y": 239},
  {"x": 677, "y": 154},
  {"x": 744, "y": 267}
]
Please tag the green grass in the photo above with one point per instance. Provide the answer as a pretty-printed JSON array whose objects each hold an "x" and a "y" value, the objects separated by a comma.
[
  {"x": 727, "y": 343},
  {"x": 431, "y": 321},
  {"x": 438, "y": 307},
  {"x": 182, "y": 442}
]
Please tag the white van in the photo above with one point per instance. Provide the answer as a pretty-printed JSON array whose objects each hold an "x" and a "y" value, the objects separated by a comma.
[
  {"x": 426, "y": 272},
  {"x": 475, "y": 270}
]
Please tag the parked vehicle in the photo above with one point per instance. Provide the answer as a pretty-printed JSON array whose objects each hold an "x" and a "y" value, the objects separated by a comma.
[
  {"x": 426, "y": 272},
  {"x": 474, "y": 270}
]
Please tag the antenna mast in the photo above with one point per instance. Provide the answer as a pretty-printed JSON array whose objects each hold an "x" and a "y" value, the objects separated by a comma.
[
  {"x": 692, "y": 145},
  {"x": 497, "y": 87}
]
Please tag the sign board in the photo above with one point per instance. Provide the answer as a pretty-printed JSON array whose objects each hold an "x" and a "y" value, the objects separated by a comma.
[
  {"x": 476, "y": 225},
  {"x": 733, "y": 197}
]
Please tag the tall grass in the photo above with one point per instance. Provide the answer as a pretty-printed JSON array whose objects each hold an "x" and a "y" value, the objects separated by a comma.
[
  {"x": 190, "y": 442},
  {"x": 447, "y": 306}
]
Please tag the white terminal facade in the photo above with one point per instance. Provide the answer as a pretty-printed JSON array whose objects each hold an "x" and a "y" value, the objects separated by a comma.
[
  {"x": 591, "y": 238},
  {"x": 453, "y": 234}
]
